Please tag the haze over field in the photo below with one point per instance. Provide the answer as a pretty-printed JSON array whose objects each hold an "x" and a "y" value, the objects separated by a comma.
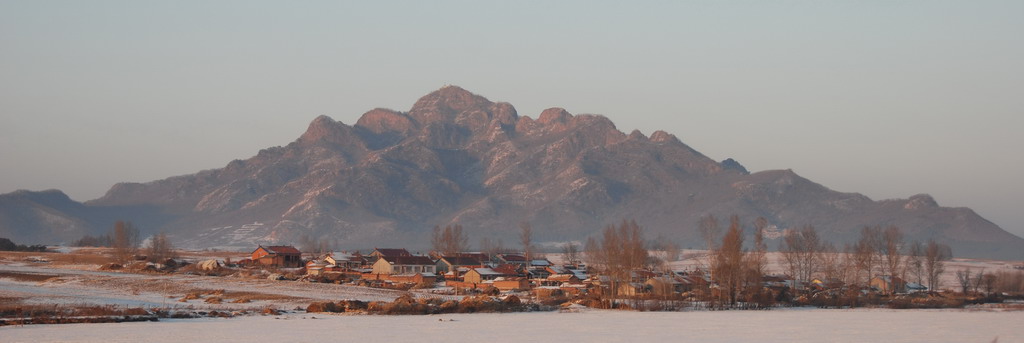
[{"x": 889, "y": 99}]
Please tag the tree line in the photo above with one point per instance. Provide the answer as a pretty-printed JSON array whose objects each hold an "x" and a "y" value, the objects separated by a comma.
[
  {"x": 8, "y": 245},
  {"x": 124, "y": 239}
]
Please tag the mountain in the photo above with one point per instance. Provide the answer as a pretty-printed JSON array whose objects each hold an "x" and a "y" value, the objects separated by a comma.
[{"x": 457, "y": 157}]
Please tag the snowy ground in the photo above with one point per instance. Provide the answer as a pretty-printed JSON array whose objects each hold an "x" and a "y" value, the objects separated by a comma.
[
  {"x": 794, "y": 325},
  {"x": 694, "y": 259},
  {"x": 78, "y": 286}
]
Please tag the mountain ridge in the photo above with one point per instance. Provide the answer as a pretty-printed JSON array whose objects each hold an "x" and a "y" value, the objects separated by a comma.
[{"x": 457, "y": 157}]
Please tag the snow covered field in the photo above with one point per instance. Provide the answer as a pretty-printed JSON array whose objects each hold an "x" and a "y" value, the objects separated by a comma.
[
  {"x": 791, "y": 325},
  {"x": 77, "y": 286}
]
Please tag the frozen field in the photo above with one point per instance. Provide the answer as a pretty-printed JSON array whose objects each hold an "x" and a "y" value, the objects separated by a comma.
[{"x": 797, "y": 325}]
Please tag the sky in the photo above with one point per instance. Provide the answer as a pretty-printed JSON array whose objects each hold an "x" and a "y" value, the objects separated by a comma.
[{"x": 884, "y": 98}]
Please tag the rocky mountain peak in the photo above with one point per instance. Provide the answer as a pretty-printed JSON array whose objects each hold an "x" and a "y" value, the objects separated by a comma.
[
  {"x": 457, "y": 157},
  {"x": 321, "y": 127},
  {"x": 446, "y": 103},
  {"x": 381, "y": 120},
  {"x": 730, "y": 163},
  {"x": 554, "y": 115},
  {"x": 920, "y": 201},
  {"x": 663, "y": 137},
  {"x": 637, "y": 135},
  {"x": 48, "y": 195}
]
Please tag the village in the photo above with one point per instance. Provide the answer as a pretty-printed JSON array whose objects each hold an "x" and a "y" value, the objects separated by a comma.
[
  {"x": 472, "y": 273},
  {"x": 620, "y": 270}
]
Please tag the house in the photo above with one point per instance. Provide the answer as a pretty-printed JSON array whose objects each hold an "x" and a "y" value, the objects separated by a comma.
[
  {"x": 511, "y": 284},
  {"x": 389, "y": 252},
  {"x": 666, "y": 285},
  {"x": 483, "y": 257},
  {"x": 640, "y": 275},
  {"x": 515, "y": 259},
  {"x": 539, "y": 268},
  {"x": 315, "y": 267},
  {"x": 555, "y": 270},
  {"x": 478, "y": 275},
  {"x": 510, "y": 269},
  {"x": 404, "y": 265},
  {"x": 281, "y": 256},
  {"x": 580, "y": 273},
  {"x": 449, "y": 263},
  {"x": 345, "y": 260},
  {"x": 821, "y": 283},
  {"x": 914, "y": 287},
  {"x": 630, "y": 289},
  {"x": 415, "y": 278},
  {"x": 559, "y": 279},
  {"x": 888, "y": 284}
]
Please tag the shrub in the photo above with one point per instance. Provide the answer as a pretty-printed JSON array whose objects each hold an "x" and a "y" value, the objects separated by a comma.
[{"x": 324, "y": 307}]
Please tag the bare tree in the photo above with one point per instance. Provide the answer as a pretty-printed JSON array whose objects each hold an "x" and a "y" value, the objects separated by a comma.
[
  {"x": 963, "y": 277},
  {"x": 831, "y": 263},
  {"x": 801, "y": 251},
  {"x": 990, "y": 282},
  {"x": 935, "y": 255},
  {"x": 159, "y": 248},
  {"x": 672, "y": 251},
  {"x": 728, "y": 262},
  {"x": 915, "y": 262},
  {"x": 125, "y": 241},
  {"x": 592, "y": 253},
  {"x": 620, "y": 250},
  {"x": 571, "y": 251},
  {"x": 450, "y": 240},
  {"x": 757, "y": 258},
  {"x": 526, "y": 239},
  {"x": 892, "y": 257},
  {"x": 492, "y": 247},
  {"x": 709, "y": 230},
  {"x": 979, "y": 279},
  {"x": 867, "y": 252},
  {"x": 315, "y": 246}
]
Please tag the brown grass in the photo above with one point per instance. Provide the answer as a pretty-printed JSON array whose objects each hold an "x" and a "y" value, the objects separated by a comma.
[
  {"x": 30, "y": 311},
  {"x": 95, "y": 256},
  {"x": 257, "y": 296},
  {"x": 239, "y": 297},
  {"x": 29, "y": 277}
]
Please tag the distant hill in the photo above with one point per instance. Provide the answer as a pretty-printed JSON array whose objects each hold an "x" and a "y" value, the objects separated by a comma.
[{"x": 457, "y": 157}]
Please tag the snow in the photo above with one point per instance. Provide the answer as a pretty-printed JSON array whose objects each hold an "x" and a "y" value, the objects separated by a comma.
[
  {"x": 74, "y": 286},
  {"x": 796, "y": 325}
]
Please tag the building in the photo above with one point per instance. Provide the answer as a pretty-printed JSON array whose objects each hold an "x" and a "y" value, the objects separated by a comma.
[
  {"x": 515, "y": 259},
  {"x": 888, "y": 284},
  {"x": 511, "y": 284},
  {"x": 389, "y": 252},
  {"x": 666, "y": 285},
  {"x": 404, "y": 265},
  {"x": 449, "y": 263},
  {"x": 279, "y": 256},
  {"x": 345, "y": 260},
  {"x": 479, "y": 275}
]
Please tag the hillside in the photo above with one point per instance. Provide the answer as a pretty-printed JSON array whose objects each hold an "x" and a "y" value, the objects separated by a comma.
[{"x": 457, "y": 157}]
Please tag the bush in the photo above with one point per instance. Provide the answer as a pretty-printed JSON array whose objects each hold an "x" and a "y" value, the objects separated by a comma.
[
  {"x": 8, "y": 245},
  {"x": 353, "y": 305},
  {"x": 324, "y": 307}
]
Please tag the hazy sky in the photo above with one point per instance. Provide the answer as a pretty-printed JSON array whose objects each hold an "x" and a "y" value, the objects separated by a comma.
[{"x": 884, "y": 98}]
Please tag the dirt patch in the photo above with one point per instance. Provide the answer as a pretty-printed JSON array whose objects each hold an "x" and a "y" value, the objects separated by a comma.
[
  {"x": 251, "y": 296},
  {"x": 240, "y": 297},
  {"x": 93, "y": 256},
  {"x": 6, "y": 301},
  {"x": 28, "y": 277}
]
